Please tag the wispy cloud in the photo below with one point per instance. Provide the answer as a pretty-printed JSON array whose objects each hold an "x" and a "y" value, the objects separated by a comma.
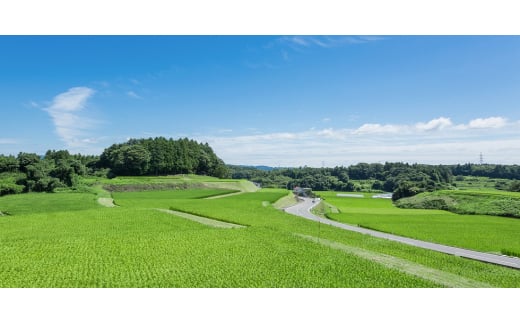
[
  {"x": 287, "y": 47},
  {"x": 133, "y": 95},
  {"x": 33, "y": 104},
  {"x": 326, "y": 41},
  {"x": 285, "y": 55},
  {"x": 436, "y": 141},
  {"x": 225, "y": 130},
  {"x": 8, "y": 141},
  {"x": 255, "y": 66},
  {"x": 65, "y": 111}
]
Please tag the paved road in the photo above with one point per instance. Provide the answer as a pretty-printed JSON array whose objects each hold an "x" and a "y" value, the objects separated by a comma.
[{"x": 303, "y": 209}]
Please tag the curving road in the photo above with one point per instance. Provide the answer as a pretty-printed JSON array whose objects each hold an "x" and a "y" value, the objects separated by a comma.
[{"x": 303, "y": 208}]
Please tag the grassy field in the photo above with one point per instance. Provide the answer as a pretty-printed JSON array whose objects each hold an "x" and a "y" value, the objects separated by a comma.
[
  {"x": 478, "y": 232},
  {"x": 69, "y": 240}
]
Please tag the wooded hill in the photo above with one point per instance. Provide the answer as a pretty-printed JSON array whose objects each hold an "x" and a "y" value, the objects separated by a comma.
[
  {"x": 29, "y": 172},
  {"x": 161, "y": 156}
]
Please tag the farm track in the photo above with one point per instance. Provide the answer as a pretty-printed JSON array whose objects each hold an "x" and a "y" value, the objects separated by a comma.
[
  {"x": 222, "y": 196},
  {"x": 106, "y": 201},
  {"x": 202, "y": 220},
  {"x": 409, "y": 267},
  {"x": 303, "y": 208}
]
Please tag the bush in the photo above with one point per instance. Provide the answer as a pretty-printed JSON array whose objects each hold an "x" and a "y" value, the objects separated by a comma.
[
  {"x": 10, "y": 188},
  {"x": 515, "y": 186},
  {"x": 425, "y": 201}
]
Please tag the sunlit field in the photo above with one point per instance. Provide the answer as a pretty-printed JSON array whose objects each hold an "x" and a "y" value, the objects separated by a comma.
[{"x": 70, "y": 240}]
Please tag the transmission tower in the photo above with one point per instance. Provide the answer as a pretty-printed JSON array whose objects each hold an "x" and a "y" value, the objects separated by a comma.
[{"x": 481, "y": 159}]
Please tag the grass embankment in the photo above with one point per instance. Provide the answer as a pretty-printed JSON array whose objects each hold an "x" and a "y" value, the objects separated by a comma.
[
  {"x": 478, "y": 232},
  {"x": 323, "y": 209},
  {"x": 170, "y": 182},
  {"x": 286, "y": 201},
  {"x": 136, "y": 246},
  {"x": 488, "y": 202}
]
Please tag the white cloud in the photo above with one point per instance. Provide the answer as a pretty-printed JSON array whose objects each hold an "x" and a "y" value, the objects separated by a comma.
[
  {"x": 329, "y": 133},
  {"x": 492, "y": 122},
  {"x": 72, "y": 100},
  {"x": 70, "y": 124},
  {"x": 437, "y": 141},
  {"x": 376, "y": 128},
  {"x": 435, "y": 124}
]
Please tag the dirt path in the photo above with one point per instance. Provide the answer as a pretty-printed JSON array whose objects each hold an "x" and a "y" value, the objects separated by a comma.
[
  {"x": 202, "y": 220},
  {"x": 106, "y": 201},
  {"x": 223, "y": 195}
]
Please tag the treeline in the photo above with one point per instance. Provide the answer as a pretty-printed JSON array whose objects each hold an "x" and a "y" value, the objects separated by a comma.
[
  {"x": 29, "y": 172},
  {"x": 401, "y": 178},
  {"x": 487, "y": 170}
]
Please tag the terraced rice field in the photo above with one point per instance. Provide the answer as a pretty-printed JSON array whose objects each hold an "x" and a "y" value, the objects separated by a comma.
[{"x": 70, "y": 240}]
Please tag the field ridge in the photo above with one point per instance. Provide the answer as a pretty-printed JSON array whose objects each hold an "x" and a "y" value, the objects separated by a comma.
[
  {"x": 434, "y": 275},
  {"x": 202, "y": 220}
]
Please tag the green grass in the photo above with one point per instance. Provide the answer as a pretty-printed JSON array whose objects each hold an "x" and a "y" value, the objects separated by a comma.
[
  {"x": 150, "y": 199},
  {"x": 285, "y": 201},
  {"x": 140, "y": 183},
  {"x": 30, "y": 203},
  {"x": 136, "y": 246},
  {"x": 478, "y": 232}
]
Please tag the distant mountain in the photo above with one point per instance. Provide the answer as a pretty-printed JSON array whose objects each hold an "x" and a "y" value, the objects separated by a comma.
[
  {"x": 260, "y": 167},
  {"x": 267, "y": 168}
]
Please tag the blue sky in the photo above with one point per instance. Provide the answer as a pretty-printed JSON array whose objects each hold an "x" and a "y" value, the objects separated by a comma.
[{"x": 272, "y": 100}]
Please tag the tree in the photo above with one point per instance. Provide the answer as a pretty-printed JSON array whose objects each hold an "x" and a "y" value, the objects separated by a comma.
[
  {"x": 27, "y": 159},
  {"x": 405, "y": 189},
  {"x": 130, "y": 160},
  {"x": 8, "y": 164}
]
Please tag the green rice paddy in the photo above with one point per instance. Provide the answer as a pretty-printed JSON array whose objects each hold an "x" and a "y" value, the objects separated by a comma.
[
  {"x": 479, "y": 232},
  {"x": 70, "y": 240}
]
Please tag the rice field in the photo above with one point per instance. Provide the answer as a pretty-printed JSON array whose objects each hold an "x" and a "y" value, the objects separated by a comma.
[
  {"x": 69, "y": 240},
  {"x": 479, "y": 232}
]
